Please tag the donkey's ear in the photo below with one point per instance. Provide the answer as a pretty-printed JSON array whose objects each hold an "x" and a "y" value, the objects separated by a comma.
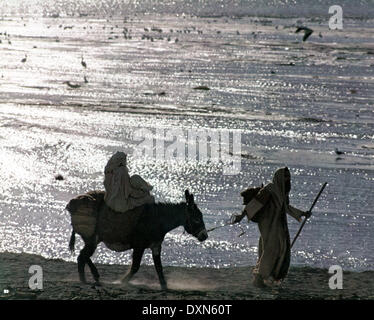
[
  {"x": 191, "y": 198},
  {"x": 187, "y": 195}
]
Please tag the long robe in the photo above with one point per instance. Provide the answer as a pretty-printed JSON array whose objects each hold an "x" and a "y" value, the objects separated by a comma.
[
  {"x": 274, "y": 250},
  {"x": 124, "y": 193}
]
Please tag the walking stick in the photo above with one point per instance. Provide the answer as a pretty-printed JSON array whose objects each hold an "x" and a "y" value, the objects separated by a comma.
[{"x": 311, "y": 208}]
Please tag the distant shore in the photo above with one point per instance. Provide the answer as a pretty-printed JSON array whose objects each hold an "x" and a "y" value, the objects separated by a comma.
[{"x": 60, "y": 282}]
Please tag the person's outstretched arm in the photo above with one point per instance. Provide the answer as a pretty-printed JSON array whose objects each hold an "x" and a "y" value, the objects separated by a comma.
[{"x": 297, "y": 214}]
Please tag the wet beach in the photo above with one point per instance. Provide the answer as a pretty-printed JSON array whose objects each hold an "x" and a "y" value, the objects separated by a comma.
[{"x": 60, "y": 282}]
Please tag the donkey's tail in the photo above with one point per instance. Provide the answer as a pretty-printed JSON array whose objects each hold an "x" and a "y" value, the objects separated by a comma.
[{"x": 72, "y": 242}]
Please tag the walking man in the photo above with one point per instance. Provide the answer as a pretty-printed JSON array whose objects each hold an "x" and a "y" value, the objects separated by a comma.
[{"x": 268, "y": 208}]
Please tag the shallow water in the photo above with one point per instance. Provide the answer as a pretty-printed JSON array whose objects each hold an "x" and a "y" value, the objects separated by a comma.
[
  {"x": 286, "y": 114},
  {"x": 201, "y": 8}
]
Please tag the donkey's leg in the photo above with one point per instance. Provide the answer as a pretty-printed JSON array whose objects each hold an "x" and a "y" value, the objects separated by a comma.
[
  {"x": 81, "y": 264},
  {"x": 93, "y": 268},
  {"x": 84, "y": 257},
  {"x": 136, "y": 259},
  {"x": 94, "y": 271},
  {"x": 156, "y": 255}
]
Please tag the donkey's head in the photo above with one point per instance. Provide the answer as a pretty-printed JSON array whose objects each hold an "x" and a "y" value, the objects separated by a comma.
[
  {"x": 194, "y": 219},
  {"x": 249, "y": 193}
]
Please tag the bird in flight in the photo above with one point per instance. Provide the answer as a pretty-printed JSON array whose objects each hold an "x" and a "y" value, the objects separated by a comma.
[{"x": 307, "y": 32}]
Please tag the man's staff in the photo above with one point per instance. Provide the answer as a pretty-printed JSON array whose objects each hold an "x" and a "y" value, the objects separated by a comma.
[{"x": 311, "y": 208}]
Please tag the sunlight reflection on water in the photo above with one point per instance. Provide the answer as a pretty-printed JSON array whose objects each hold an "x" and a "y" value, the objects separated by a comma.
[{"x": 285, "y": 118}]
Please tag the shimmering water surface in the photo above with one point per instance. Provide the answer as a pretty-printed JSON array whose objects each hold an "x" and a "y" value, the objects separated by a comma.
[{"x": 292, "y": 103}]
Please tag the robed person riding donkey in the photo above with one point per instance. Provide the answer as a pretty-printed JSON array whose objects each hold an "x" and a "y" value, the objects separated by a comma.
[
  {"x": 125, "y": 216},
  {"x": 268, "y": 207}
]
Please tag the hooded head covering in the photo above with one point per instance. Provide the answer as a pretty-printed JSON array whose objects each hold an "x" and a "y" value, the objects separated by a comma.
[
  {"x": 278, "y": 188},
  {"x": 122, "y": 192},
  {"x": 117, "y": 182}
]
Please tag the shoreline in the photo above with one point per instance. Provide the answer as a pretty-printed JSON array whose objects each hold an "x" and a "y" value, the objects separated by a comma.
[{"x": 60, "y": 282}]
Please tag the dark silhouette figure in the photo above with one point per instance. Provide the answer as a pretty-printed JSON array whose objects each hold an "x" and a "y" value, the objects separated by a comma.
[
  {"x": 84, "y": 64},
  {"x": 73, "y": 85},
  {"x": 338, "y": 152},
  {"x": 269, "y": 206},
  {"x": 307, "y": 32}
]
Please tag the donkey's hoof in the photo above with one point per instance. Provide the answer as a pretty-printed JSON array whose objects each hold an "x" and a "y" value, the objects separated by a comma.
[
  {"x": 124, "y": 280},
  {"x": 121, "y": 281},
  {"x": 97, "y": 286},
  {"x": 83, "y": 280}
]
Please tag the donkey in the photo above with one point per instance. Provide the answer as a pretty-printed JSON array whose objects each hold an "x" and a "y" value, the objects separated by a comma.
[{"x": 154, "y": 220}]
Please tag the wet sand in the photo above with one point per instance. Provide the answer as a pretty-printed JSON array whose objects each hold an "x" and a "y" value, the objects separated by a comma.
[{"x": 60, "y": 282}]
